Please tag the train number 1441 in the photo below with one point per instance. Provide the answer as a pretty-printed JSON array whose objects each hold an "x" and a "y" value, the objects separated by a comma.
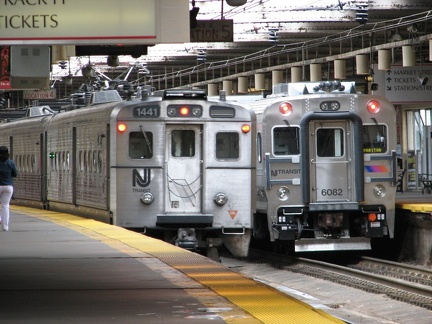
[{"x": 146, "y": 112}]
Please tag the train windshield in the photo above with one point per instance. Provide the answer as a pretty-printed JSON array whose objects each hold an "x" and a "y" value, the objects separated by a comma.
[
  {"x": 374, "y": 139},
  {"x": 227, "y": 145},
  {"x": 140, "y": 145},
  {"x": 286, "y": 141}
]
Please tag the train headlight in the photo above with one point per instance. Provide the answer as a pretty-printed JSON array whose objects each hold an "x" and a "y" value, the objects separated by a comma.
[
  {"x": 379, "y": 191},
  {"x": 220, "y": 199},
  {"x": 197, "y": 111},
  {"x": 330, "y": 106},
  {"x": 147, "y": 198},
  {"x": 121, "y": 127},
  {"x": 172, "y": 111},
  {"x": 373, "y": 106},
  {"x": 285, "y": 108},
  {"x": 184, "y": 111},
  {"x": 283, "y": 193},
  {"x": 245, "y": 128}
]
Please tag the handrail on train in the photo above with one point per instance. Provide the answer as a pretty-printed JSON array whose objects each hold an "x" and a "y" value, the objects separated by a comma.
[{"x": 182, "y": 94}]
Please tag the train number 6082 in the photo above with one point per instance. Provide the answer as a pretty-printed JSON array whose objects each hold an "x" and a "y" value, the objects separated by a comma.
[{"x": 331, "y": 192}]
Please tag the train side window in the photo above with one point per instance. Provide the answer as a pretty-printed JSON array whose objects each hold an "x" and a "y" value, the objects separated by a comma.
[
  {"x": 99, "y": 161},
  {"x": 227, "y": 145},
  {"x": 140, "y": 145},
  {"x": 94, "y": 161},
  {"x": 330, "y": 142},
  {"x": 374, "y": 138},
  {"x": 80, "y": 161},
  {"x": 33, "y": 163},
  {"x": 259, "y": 148},
  {"x": 67, "y": 161},
  {"x": 286, "y": 141},
  {"x": 183, "y": 143},
  {"x": 89, "y": 161}
]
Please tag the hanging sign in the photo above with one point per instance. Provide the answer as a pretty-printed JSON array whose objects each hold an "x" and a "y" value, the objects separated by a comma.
[{"x": 78, "y": 21}]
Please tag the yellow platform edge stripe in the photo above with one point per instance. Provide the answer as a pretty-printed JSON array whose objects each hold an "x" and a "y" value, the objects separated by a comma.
[
  {"x": 263, "y": 302},
  {"x": 415, "y": 207}
]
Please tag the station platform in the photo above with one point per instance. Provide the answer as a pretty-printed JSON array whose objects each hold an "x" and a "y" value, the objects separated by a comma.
[{"x": 58, "y": 267}]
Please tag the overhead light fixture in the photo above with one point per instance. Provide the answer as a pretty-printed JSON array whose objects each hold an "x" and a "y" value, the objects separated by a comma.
[
  {"x": 396, "y": 37},
  {"x": 273, "y": 35},
  {"x": 113, "y": 60},
  {"x": 201, "y": 55},
  {"x": 236, "y": 3},
  {"x": 87, "y": 71}
]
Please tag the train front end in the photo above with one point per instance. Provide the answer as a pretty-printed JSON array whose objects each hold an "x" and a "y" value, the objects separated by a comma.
[
  {"x": 183, "y": 170},
  {"x": 329, "y": 171}
]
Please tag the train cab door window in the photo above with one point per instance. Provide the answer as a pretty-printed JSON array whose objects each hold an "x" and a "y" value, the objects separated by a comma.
[
  {"x": 183, "y": 143},
  {"x": 330, "y": 142},
  {"x": 374, "y": 139},
  {"x": 286, "y": 141},
  {"x": 227, "y": 145},
  {"x": 140, "y": 145}
]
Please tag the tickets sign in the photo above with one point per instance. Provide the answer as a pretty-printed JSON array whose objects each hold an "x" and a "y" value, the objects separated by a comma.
[{"x": 77, "y": 21}]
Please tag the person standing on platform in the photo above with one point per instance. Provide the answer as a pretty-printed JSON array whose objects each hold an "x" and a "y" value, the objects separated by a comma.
[{"x": 8, "y": 171}]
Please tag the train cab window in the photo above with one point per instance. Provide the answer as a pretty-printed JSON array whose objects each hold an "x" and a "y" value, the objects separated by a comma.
[
  {"x": 183, "y": 143},
  {"x": 286, "y": 141},
  {"x": 227, "y": 145},
  {"x": 330, "y": 142},
  {"x": 374, "y": 139},
  {"x": 140, "y": 145}
]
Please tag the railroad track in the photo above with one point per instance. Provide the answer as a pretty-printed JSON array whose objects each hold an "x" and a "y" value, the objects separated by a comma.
[{"x": 406, "y": 283}]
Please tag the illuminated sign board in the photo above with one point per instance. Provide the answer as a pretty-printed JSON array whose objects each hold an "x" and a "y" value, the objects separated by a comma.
[{"x": 80, "y": 21}]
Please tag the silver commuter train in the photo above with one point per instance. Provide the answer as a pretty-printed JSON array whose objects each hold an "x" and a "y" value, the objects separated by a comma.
[
  {"x": 174, "y": 165},
  {"x": 326, "y": 167}
]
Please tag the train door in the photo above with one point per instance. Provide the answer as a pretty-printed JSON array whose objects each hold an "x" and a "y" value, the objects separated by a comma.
[
  {"x": 331, "y": 167},
  {"x": 183, "y": 169}
]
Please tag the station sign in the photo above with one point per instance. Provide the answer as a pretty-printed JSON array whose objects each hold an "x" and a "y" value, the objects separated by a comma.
[
  {"x": 93, "y": 22},
  {"x": 405, "y": 84},
  {"x": 39, "y": 94},
  {"x": 213, "y": 31}
]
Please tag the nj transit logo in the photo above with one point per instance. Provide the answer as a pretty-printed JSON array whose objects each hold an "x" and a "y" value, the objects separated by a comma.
[{"x": 141, "y": 177}]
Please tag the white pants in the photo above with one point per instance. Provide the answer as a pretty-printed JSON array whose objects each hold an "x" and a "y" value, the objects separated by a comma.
[{"x": 5, "y": 197}]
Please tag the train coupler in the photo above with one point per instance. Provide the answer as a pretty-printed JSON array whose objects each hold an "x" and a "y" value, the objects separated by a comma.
[
  {"x": 286, "y": 231},
  {"x": 186, "y": 239}
]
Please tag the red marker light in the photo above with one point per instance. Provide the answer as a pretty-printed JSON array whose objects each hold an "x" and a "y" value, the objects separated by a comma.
[
  {"x": 121, "y": 127},
  {"x": 245, "y": 128},
  {"x": 285, "y": 108},
  {"x": 373, "y": 106},
  {"x": 184, "y": 111}
]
